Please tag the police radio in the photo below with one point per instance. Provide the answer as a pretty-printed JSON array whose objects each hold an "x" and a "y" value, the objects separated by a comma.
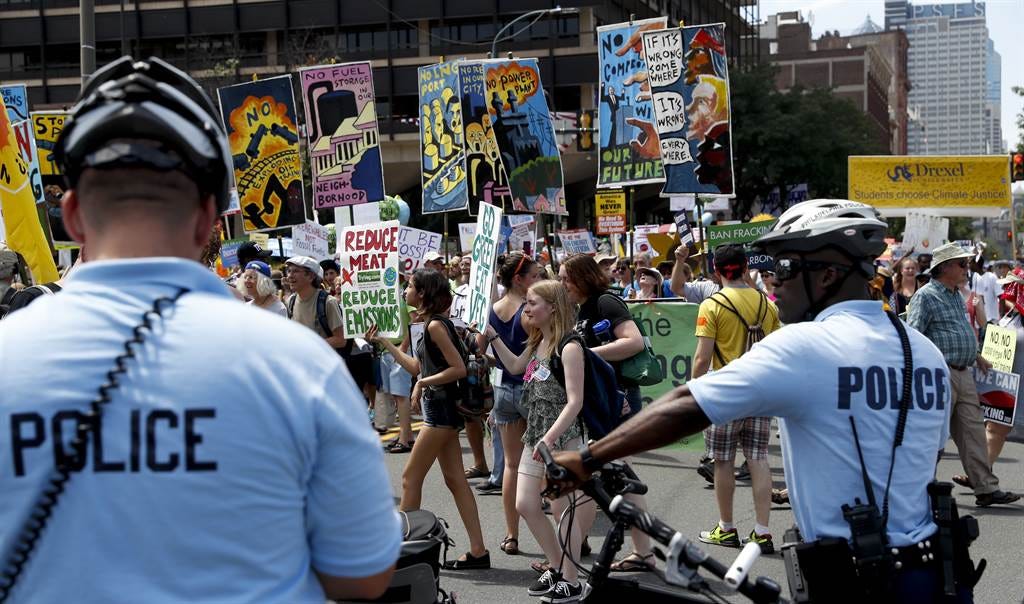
[{"x": 18, "y": 558}]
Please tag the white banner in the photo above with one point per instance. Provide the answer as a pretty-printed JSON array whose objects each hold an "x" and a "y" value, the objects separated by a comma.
[
  {"x": 485, "y": 254},
  {"x": 369, "y": 279},
  {"x": 467, "y": 230},
  {"x": 310, "y": 239},
  {"x": 925, "y": 232},
  {"x": 413, "y": 246},
  {"x": 640, "y": 244},
  {"x": 577, "y": 241}
]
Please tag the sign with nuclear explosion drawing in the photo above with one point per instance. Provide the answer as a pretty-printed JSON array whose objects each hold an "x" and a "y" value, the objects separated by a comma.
[
  {"x": 442, "y": 142},
  {"x": 486, "y": 179},
  {"x": 263, "y": 138}
]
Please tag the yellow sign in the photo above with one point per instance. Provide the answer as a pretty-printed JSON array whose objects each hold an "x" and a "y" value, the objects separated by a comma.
[
  {"x": 610, "y": 209},
  {"x": 978, "y": 181},
  {"x": 48, "y": 126},
  {"x": 1000, "y": 346},
  {"x": 262, "y": 239}
]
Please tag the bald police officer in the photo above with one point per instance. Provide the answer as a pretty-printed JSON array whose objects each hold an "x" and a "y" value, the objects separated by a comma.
[{"x": 205, "y": 469}]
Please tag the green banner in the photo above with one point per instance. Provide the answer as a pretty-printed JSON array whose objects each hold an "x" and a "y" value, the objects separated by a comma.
[
  {"x": 720, "y": 234},
  {"x": 671, "y": 327}
]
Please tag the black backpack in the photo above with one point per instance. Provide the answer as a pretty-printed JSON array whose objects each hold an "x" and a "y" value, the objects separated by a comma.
[
  {"x": 321, "y": 319},
  {"x": 755, "y": 330},
  {"x": 15, "y": 300},
  {"x": 457, "y": 391}
]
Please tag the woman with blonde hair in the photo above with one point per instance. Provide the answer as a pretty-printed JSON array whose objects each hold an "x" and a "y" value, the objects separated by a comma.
[
  {"x": 553, "y": 368},
  {"x": 904, "y": 284},
  {"x": 259, "y": 288}
]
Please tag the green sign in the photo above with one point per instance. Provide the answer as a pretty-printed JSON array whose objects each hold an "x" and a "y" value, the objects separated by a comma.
[
  {"x": 671, "y": 326},
  {"x": 722, "y": 234}
]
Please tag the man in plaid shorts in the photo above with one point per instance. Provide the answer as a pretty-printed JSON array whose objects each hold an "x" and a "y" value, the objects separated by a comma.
[{"x": 725, "y": 323}]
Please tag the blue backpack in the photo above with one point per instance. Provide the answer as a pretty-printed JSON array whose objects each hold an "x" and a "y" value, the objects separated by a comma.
[{"x": 604, "y": 403}]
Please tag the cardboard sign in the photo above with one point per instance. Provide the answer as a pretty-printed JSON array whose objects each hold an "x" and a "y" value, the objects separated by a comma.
[
  {"x": 1000, "y": 347},
  {"x": 27, "y": 146},
  {"x": 523, "y": 234},
  {"x": 467, "y": 231},
  {"x": 689, "y": 78},
  {"x": 263, "y": 136},
  {"x": 640, "y": 243},
  {"x": 485, "y": 175},
  {"x": 413, "y": 246},
  {"x": 16, "y": 100},
  {"x": 369, "y": 279},
  {"x": 629, "y": 152},
  {"x": 485, "y": 254},
  {"x": 741, "y": 233},
  {"x": 925, "y": 232},
  {"x": 610, "y": 210},
  {"x": 344, "y": 143},
  {"x": 997, "y": 393},
  {"x": 48, "y": 126},
  {"x": 229, "y": 252},
  {"x": 525, "y": 135},
  {"x": 262, "y": 239},
  {"x": 577, "y": 241},
  {"x": 442, "y": 141},
  {"x": 310, "y": 239}
]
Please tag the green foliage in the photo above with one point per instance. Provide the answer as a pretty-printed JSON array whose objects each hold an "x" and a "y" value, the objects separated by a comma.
[
  {"x": 537, "y": 174},
  {"x": 800, "y": 136},
  {"x": 1019, "y": 91}
]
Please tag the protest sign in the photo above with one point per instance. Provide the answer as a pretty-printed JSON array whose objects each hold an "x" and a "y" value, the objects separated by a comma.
[
  {"x": 369, "y": 279},
  {"x": 481, "y": 272},
  {"x": 15, "y": 98},
  {"x": 262, "y": 239},
  {"x": 1000, "y": 347},
  {"x": 467, "y": 231},
  {"x": 310, "y": 239},
  {"x": 629, "y": 152},
  {"x": 485, "y": 176},
  {"x": 48, "y": 126},
  {"x": 722, "y": 234},
  {"x": 924, "y": 232},
  {"x": 260, "y": 120},
  {"x": 689, "y": 78},
  {"x": 523, "y": 235},
  {"x": 997, "y": 393},
  {"x": 577, "y": 241},
  {"x": 27, "y": 146},
  {"x": 341, "y": 123},
  {"x": 442, "y": 143},
  {"x": 671, "y": 327},
  {"x": 610, "y": 210},
  {"x": 229, "y": 252},
  {"x": 640, "y": 243},
  {"x": 413, "y": 246},
  {"x": 525, "y": 135}
]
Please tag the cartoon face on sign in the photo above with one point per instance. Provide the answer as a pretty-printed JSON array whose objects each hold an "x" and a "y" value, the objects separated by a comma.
[{"x": 710, "y": 105}]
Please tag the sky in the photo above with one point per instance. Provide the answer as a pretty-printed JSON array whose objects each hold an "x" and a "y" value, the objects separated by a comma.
[{"x": 1005, "y": 27}]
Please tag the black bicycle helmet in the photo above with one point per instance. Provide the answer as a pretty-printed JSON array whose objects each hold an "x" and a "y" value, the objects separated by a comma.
[
  {"x": 148, "y": 114},
  {"x": 851, "y": 227}
]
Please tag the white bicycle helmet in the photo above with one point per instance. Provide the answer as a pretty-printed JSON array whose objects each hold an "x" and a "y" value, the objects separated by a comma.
[{"x": 851, "y": 227}]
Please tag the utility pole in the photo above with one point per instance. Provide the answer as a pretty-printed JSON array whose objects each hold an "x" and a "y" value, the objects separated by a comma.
[{"x": 87, "y": 32}]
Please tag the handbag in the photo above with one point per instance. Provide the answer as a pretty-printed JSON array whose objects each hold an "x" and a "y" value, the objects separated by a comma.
[{"x": 643, "y": 368}]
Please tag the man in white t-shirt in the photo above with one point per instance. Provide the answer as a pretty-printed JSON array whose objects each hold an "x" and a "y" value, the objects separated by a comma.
[
  {"x": 838, "y": 360},
  {"x": 985, "y": 284}
]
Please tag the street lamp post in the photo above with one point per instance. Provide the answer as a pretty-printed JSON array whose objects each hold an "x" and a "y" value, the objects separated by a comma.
[{"x": 558, "y": 10}]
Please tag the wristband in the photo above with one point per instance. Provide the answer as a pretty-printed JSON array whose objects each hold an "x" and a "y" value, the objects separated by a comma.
[
  {"x": 590, "y": 465},
  {"x": 491, "y": 339}
]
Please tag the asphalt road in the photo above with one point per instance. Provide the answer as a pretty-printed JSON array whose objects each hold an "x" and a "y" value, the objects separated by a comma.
[{"x": 684, "y": 500}]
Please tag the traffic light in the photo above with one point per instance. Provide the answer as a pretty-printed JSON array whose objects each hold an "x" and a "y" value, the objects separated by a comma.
[{"x": 1016, "y": 167}]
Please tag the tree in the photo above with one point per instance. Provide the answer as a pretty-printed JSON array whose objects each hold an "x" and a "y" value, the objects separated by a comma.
[
  {"x": 781, "y": 139},
  {"x": 1019, "y": 91}
]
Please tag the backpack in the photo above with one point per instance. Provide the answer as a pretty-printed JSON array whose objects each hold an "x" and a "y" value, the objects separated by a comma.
[
  {"x": 755, "y": 331},
  {"x": 321, "y": 319},
  {"x": 459, "y": 390},
  {"x": 14, "y": 300},
  {"x": 604, "y": 403}
]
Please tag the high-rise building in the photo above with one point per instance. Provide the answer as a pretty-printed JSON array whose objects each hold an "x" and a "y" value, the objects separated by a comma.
[
  {"x": 955, "y": 110},
  {"x": 993, "y": 99}
]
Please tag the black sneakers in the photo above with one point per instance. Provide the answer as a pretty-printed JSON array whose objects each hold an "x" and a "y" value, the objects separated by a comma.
[
  {"x": 544, "y": 583},
  {"x": 563, "y": 592}
]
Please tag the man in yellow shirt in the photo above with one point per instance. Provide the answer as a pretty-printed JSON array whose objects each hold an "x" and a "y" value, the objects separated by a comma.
[{"x": 726, "y": 322}]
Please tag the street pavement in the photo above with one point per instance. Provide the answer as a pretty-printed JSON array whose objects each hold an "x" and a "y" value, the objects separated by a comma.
[{"x": 685, "y": 501}]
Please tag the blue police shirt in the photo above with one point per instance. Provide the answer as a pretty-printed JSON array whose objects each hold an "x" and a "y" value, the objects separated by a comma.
[
  {"x": 234, "y": 460},
  {"x": 814, "y": 376}
]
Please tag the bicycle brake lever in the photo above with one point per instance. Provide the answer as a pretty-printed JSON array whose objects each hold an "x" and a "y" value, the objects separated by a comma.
[{"x": 678, "y": 569}]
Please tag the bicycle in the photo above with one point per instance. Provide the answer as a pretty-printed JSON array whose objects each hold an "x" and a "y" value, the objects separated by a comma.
[{"x": 682, "y": 560}]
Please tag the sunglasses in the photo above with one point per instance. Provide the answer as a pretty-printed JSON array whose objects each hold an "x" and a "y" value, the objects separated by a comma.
[{"x": 787, "y": 268}]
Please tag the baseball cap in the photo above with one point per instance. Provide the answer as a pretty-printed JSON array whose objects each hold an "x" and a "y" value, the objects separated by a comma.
[
  {"x": 307, "y": 263},
  {"x": 330, "y": 265},
  {"x": 250, "y": 250},
  {"x": 262, "y": 267},
  {"x": 730, "y": 255},
  {"x": 600, "y": 258},
  {"x": 433, "y": 257}
]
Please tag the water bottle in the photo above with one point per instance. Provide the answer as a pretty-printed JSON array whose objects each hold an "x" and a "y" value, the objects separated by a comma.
[
  {"x": 603, "y": 331},
  {"x": 472, "y": 371}
]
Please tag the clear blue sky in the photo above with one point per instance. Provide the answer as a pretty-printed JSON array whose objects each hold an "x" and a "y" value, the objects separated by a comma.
[{"x": 1005, "y": 27}]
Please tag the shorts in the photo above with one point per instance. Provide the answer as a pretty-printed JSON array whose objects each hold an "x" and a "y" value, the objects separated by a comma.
[
  {"x": 508, "y": 403},
  {"x": 394, "y": 379},
  {"x": 361, "y": 368},
  {"x": 750, "y": 433},
  {"x": 440, "y": 412},
  {"x": 536, "y": 469}
]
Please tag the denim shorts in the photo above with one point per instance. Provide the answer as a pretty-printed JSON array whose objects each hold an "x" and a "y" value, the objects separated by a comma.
[
  {"x": 508, "y": 403},
  {"x": 394, "y": 379},
  {"x": 439, "y": 411}
]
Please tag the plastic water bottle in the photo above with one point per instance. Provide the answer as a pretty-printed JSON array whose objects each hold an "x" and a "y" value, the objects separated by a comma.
[
  {"x": 472, "y": 371},
  {"x": 603, "y": 331}
]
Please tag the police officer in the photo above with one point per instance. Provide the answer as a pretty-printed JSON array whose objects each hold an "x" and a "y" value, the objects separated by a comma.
[
  {"x": 204, "y": 468},
  {"x": 839, "y": 357}
]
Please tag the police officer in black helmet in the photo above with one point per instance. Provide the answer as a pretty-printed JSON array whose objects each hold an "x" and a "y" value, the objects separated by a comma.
[
  {"x": 834, "y": 375},
  {"x": 144, "y": 467}
]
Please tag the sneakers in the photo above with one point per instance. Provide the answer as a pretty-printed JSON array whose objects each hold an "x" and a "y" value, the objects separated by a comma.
[
  {"x": 563, "y": 592},
  {"x": 489, "y": 488},
  {"x": 743, "y": 473},
  {"x": 995, "y": 498},
  {"x": 545, "y": 583},
  {"x": 717, "y": 536},
  {"x": 765, "y": 541},
  {"x": 706, "y": 469}
]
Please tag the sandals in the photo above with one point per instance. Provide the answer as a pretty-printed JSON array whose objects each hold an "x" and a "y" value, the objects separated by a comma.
[
  {"x": 780, "y": 496},
  {"x": 470, "y": 563},
  {"x": 477, "y": 473},
  {"x": 634, "y": 563},
  {"x": 510, "y": 545},
  {"x": 963, "y": 481},
  {"x": 399, "y": 447},
  {"x": 540, "y": 566}
]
